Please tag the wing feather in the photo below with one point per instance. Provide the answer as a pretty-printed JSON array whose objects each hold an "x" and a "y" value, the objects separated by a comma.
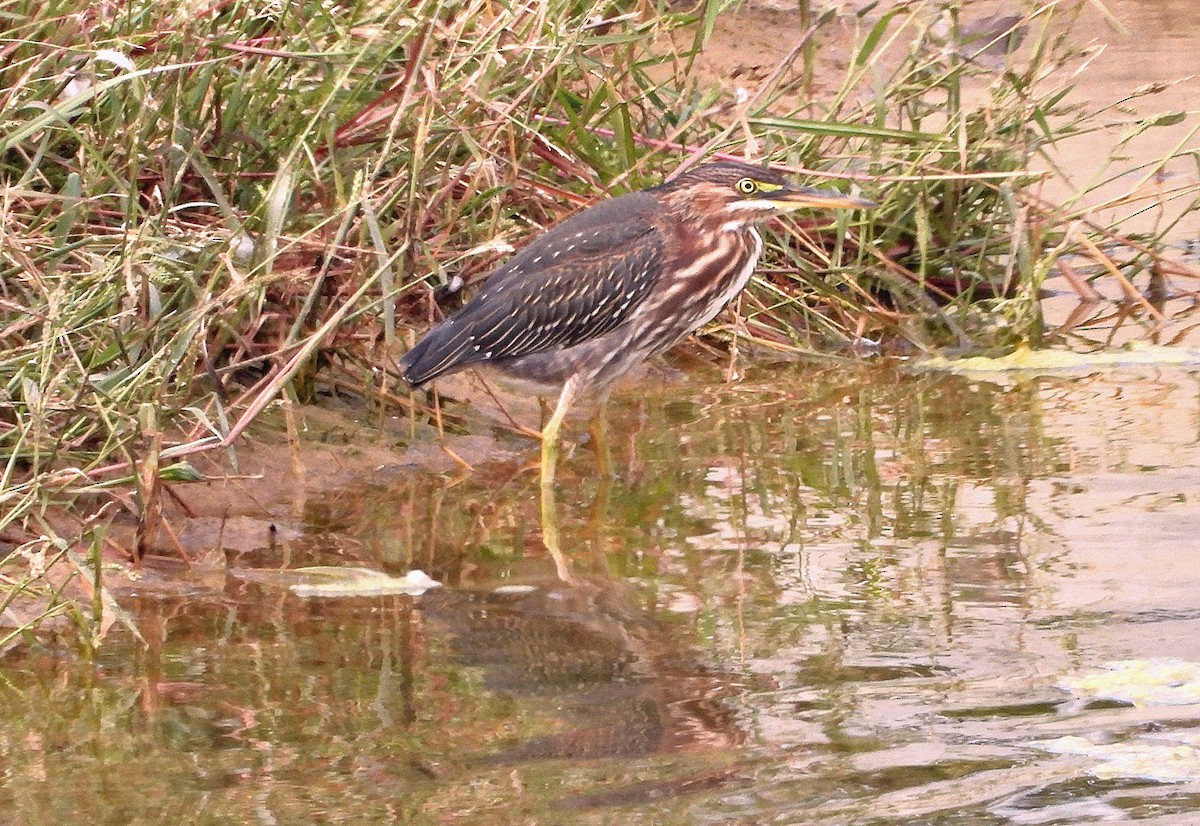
[{"x": 561, "y": 301}]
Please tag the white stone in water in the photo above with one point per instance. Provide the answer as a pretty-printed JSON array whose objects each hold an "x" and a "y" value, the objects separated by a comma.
[{"x": 332, "y": 581}]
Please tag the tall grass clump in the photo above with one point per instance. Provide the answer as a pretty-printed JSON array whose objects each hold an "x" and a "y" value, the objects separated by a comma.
[
  {"x": 208, "y": 208},
  {"x": 958, "y": 123}
]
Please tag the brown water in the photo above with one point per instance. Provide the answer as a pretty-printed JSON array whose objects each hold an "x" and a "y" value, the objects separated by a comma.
[
  {"x": 840, "y": 594},
  {"x": 845, "y": 593}
]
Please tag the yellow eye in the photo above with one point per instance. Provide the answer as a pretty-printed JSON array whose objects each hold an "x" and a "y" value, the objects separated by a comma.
[{"x": 747, "y": 186}]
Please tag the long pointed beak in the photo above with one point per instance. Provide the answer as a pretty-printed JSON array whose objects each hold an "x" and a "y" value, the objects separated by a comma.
[{"x": 803, "y": 197}]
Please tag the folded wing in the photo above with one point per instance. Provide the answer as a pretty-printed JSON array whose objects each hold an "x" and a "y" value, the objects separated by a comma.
[{"x": 571, "y": 286}]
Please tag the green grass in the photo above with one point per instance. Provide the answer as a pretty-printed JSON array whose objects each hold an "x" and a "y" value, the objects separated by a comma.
[{"x": 208, "y": 208}]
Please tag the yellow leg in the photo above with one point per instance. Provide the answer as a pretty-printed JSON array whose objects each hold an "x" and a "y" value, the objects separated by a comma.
[
  {"x": 549, "y": 462},
  {"x": 550, "y": 433}
]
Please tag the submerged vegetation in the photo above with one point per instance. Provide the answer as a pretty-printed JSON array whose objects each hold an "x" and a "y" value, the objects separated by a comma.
[{"x": 207, "y": 208}]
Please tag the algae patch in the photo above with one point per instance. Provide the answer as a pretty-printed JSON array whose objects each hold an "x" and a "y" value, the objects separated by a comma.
[{"x": 1026, "y": 361}]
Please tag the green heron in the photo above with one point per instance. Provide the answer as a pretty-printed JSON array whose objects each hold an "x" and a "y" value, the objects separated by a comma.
[{"x": 613, "y": 285}]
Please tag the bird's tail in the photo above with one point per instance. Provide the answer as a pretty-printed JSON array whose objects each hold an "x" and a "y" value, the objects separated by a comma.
[{"x": 441, "y": 350}]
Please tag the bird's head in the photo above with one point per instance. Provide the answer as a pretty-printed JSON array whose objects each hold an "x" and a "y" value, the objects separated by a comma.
[{"x": 732, "y": 195}]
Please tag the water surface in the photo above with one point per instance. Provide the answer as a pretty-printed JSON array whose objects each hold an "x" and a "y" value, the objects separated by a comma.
[{"x": 821, "y": 595}]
